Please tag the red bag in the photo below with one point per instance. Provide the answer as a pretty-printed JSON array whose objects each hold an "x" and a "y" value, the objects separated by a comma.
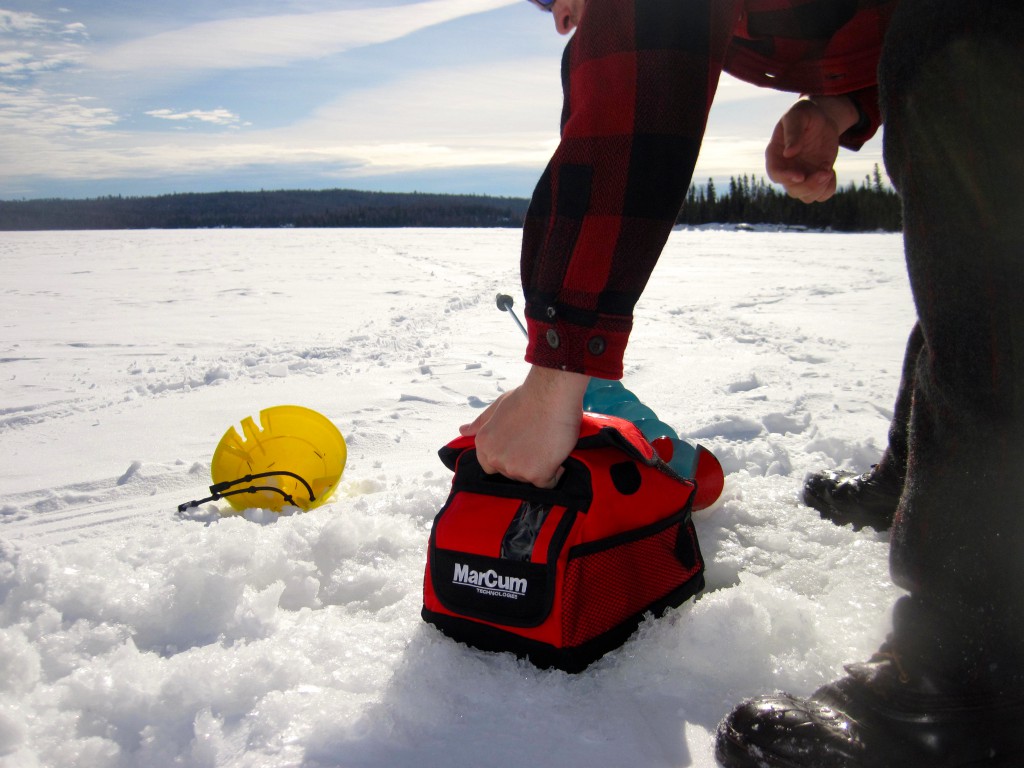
[{"x": 562, "y": 576}]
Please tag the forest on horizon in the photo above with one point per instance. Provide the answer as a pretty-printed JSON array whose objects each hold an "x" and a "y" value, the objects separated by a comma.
[{"x": 870, "y": 206}]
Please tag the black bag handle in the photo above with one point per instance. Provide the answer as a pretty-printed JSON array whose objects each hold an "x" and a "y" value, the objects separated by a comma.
[
  {"x": 573, "y": 488},
  {"x": 606, "y": 435}
]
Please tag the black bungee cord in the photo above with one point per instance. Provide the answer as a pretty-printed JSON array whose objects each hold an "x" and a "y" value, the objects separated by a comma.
[{"x": 221, "y": 490}]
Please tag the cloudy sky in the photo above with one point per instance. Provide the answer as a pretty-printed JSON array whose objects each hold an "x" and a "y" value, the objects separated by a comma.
[{"x": 101, "y": 97}]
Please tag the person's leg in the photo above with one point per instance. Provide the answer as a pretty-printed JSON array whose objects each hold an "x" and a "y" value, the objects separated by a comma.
[
  {"x": 948, "y": 688},
  {"x": 893, "y": 464},
  {"x": 955, "y": 151},
  {"x": 870, "y": 498}
]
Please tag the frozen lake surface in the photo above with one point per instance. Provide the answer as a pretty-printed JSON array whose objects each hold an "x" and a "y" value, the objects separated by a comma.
[{"x": 132, "y": 636}]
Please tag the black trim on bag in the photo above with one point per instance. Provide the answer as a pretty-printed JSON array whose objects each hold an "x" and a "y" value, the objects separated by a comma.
[
  {"x": 680, "y": 518},
  {"x": 544, "y": 655}
]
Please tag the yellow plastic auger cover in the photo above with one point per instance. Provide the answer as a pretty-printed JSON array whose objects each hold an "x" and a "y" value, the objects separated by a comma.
[{"x": 290, "y": 440}]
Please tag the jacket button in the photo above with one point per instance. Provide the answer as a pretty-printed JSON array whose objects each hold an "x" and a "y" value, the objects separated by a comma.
[
  {"x": 596, "y": 345},
  {"x": 553, "y": 340},
  {"x": 551, "y": 312}
]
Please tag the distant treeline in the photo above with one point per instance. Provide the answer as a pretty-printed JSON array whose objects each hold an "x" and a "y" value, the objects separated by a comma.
[
  {"x": 324, "y": 208},
  {"x": 871, "y": 206},
  {"x": 868, "y": 207}
]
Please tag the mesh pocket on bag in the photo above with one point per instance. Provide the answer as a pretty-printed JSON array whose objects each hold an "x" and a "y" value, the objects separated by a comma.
[{"x": 607, "y": 583}]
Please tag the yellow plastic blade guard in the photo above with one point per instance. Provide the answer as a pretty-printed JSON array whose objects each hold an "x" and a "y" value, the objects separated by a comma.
[{"x": 290, "y": 439}]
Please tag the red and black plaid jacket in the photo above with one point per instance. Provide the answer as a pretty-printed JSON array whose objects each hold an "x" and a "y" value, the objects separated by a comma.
[{"x": 639, "y": 77}]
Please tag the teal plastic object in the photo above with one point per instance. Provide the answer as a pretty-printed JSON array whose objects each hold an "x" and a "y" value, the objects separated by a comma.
[{"x": 611, "y": 398}]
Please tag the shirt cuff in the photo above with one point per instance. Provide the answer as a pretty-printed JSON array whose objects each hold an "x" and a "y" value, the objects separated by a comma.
[
  {"x": 866, "y": 102},
  {"x": 596, "y": 351}
]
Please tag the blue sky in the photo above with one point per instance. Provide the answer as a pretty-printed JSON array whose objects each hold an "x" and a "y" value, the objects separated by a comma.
[{"x": 108, "y": 97}]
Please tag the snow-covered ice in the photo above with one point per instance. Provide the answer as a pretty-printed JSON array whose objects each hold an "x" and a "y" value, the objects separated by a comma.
[{"x": 132, "y": 636}]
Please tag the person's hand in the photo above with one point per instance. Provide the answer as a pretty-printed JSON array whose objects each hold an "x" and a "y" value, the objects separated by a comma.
[
  {"x": 529, "y": 431},
  {"x": 803, "y": 148}
]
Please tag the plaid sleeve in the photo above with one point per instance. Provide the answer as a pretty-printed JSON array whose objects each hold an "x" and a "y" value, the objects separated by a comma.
[
  {"x": 818, "y": 48},
  {"x": 639, "y": 77}
]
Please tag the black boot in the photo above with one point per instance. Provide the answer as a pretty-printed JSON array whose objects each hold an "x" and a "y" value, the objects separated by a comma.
[
  {"x": 846, "y": 497},
  {"x": 875, "y": 717}
]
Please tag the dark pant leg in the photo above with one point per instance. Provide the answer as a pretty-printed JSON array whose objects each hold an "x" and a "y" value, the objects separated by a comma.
[
  {"x": 893, "y": 463},
  {"x": 952, "y": 78}
]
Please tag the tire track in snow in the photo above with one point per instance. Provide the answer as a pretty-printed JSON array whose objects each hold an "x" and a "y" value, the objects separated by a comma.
[{"x": 144, "y": 492}]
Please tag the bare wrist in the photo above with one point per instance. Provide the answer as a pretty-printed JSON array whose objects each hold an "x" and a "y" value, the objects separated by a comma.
[
  {"x": 566, "y": 387},
  {"x": 839, "y": 109}
]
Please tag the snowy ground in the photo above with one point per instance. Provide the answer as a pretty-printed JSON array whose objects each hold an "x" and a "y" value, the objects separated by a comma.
[{"x": 130, "y": 636}]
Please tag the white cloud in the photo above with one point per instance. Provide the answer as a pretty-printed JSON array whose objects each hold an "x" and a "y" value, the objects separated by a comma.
[
  {"x": 498, "y": 115},
  {"x": 25, "y": 24},
  {"x": 34, "y": 112},
  {"x": 213, "y": 116},
  {"x": 21, "y": 22},
  {"x": 458, "y": 105},
  {"x": 23, "y": 64},
  {"x": 278, "y": 40},
  {"x": 31, "y": 45},
  {"x": 489, "y": 115}
]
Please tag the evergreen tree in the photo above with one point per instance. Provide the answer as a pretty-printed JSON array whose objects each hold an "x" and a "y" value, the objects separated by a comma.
[{"x": 871, "y": 206}]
